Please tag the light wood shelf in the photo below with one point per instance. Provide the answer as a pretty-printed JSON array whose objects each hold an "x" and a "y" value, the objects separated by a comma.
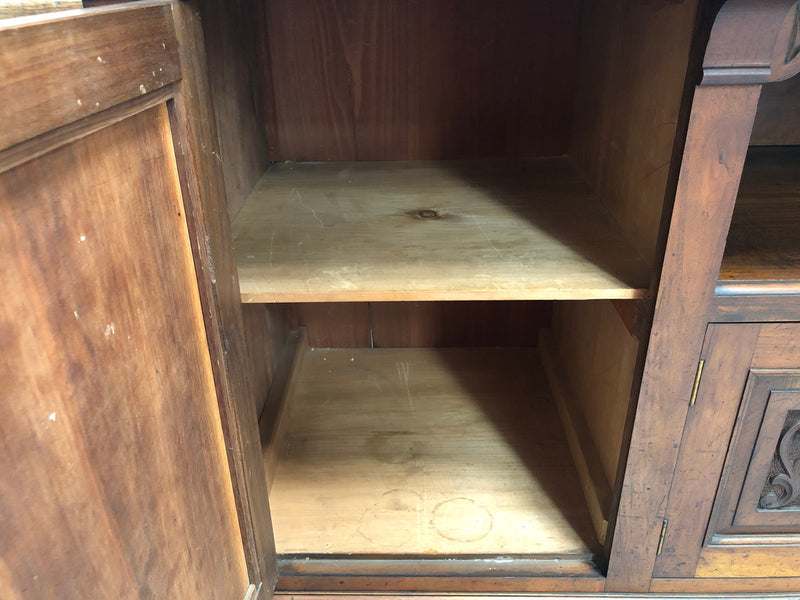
[
  {"x": 763, "y": 246},
  {"x": 429, "y": 452},
  {"x": 498, "y": 230}
]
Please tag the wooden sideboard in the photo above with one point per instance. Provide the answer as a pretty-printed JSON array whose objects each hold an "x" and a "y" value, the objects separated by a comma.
[{"x": 356, "y": 297}]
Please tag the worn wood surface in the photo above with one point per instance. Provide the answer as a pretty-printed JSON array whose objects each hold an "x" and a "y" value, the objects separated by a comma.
[
  {"x": 451, "y": 574},
  {"x": 632, "y": 65},
  {"x": 196, "y": 141},
  {"x": 727, "y": 354},
  {"x": 742, "y": 309},
  {"x": 370, "y": 80},
  {"x": 716, "y": 145},
  {"x": 229, "y": 30},
  {"x": 595, "y": 486},
  {"x": 113, "y": 458},
  {"x": 753, "y": 42},
  {"x": 455, "y": 451},
  {"x": 742, "y": 397},
  {"x": 740, "y": 585},
  {"x": 507, "y": 229},
  {"x": 24, "y": 8},
  {"x": 60, "y": 69},
  {"x": 763, "y": 242}
]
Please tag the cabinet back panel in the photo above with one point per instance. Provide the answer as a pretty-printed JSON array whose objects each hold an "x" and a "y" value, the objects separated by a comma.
[
  {"x": 421, "y": 324},
  {"x": 372, "y": 80}
]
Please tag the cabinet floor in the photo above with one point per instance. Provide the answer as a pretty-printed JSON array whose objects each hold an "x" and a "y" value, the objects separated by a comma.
[{"x": 426, "y": 451}]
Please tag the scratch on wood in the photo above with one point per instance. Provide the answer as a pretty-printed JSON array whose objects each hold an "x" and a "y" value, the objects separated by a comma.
[{"x": 403, "y": 370}]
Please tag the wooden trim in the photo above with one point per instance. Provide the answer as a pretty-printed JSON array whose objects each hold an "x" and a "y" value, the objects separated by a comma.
[
  {"x": 753, "y": 42},
  {"x": 584, "y": 454},
  {"x": 107, "y": 67},
  {"x": 757, "y": 288},
  {"x": 446, "y": 574},
  {"x": 716, "y": 146},
  {"x": 196, "y": 143},
  {"x": 30, "y": 149},
  {"x": 720, "y": 588},
  {"x": 273, "y": 421}
]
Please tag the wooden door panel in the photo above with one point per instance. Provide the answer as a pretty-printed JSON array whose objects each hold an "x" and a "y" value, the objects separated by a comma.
[
  {"x": 115, "y": 478},
  {"x": 734, "y": 509}
]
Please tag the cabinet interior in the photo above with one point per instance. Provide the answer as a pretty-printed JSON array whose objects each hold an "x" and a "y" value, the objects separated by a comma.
[
  {"x": 762, "y": 253},
  {"x": 446, "y": 217}
]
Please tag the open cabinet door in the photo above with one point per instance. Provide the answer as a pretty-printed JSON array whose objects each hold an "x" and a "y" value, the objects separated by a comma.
[{"x": 130, "y": 464}]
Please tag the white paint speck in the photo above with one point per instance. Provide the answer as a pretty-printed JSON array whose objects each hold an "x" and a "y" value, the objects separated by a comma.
[
  {"x": 99, "y": 59},
  {"x": 154, "y": 73},
  {"x": 142, "y": 89},
  {"x": 82, "y": 239},
  {"x": 79, "y": 102},
  {"x": 163, "y": 45},
  {"x": 160, "y": 69},
  {"x": 97, "y": 104},
  {"x": 52, "y": 417},
  {"x": 75, "y": 312},
  {"x": 110, "y": 330}
]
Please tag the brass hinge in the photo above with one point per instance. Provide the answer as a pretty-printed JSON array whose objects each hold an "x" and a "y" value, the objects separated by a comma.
[
  {"x": 662, "y": 536},
  {"x": 697, "y": 382}
]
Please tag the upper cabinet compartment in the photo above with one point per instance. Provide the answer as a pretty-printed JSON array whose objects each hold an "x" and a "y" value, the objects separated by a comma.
[{"x": 454, "y": 151}]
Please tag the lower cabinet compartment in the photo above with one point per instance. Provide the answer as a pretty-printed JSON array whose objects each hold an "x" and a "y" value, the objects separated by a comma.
[
  {"x": 442, "y": 446},
  {"x": 420, "y": 451}
]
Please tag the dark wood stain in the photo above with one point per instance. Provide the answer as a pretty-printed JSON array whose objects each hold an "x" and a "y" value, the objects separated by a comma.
[{"x": 371, "y": 80}]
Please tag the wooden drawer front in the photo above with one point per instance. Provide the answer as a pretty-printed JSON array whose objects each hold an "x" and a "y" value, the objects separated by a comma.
[
  {"x": 734, "y": 509},
  {"x": 764, "y": 498}
]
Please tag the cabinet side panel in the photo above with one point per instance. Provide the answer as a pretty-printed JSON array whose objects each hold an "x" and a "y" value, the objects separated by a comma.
[
  {"x": 599, "y": 354},
  {"x": 230, "y": 40},
  {"x": 633, "y": 60},
  {"x": 115, "y": 478}
]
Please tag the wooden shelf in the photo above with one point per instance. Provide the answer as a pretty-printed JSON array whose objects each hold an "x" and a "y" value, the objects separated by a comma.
[
  {"x": 763, "y": 247},
  {"x": 453, "y": 230},
  {"x": 426, "y": 452}
]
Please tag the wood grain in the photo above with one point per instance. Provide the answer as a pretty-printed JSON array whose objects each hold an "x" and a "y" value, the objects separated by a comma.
[
  {"x": 195, "y": 138},
  {"x": 105, "y": 66},
  {"x": 595, "y": 486},
  {"x": 727, "y": 353},
  {"x": 274, "y": 418},
  {"x": 426, "y": 452},
  {"x": 266, "y": 330},
  {"x": 370, "y": 80},
  {"x": 600, "y": 354},
  {"x": 762, "y": 244},
  {"x": 716, "y": 145},
  {"x": 233, "y": 73},
  {"x": 333, "y": 325},
  {"x": 19, "y": 8},
  {"x": 458, "y": 324},
  {"x": 633, "y": 63},
  {"x": 450, "y": 574},
  {"x": 507, "y": 229},
  {"x": 113, "y": 458}
]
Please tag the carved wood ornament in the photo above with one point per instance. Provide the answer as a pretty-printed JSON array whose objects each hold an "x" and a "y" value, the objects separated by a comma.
[{"x": 782, "y": 490}]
